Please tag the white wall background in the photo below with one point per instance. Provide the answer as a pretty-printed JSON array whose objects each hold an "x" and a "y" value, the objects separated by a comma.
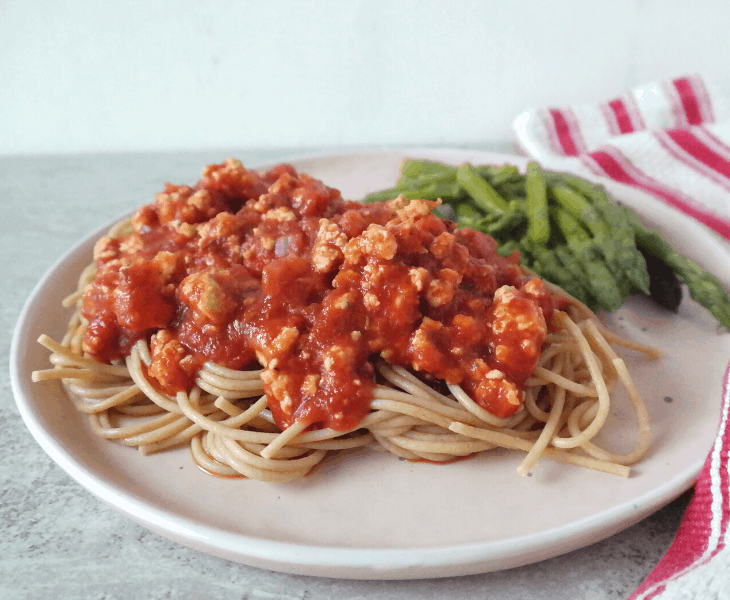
[{"x": 88, "y": 76}]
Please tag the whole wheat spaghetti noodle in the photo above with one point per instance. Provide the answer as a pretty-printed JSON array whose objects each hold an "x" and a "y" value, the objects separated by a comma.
[{"x": 316, "y": 374}]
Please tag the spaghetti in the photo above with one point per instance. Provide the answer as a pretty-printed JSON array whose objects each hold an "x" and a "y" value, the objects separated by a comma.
[{"x": 266, "y": 323}]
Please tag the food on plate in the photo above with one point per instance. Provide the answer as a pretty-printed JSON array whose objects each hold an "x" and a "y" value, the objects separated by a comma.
[
  {"x": 567, "y": 230},
  {"x": 266, "y": 322}
]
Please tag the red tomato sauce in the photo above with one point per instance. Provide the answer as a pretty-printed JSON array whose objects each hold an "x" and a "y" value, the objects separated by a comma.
[{"x": 276, "y": 269}]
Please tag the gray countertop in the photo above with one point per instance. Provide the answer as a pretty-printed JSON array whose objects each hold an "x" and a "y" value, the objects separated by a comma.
[{"x": 59, "y": 541}]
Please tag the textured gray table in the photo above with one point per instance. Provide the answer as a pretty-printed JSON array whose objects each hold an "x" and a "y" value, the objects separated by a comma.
[{"x": 58, "y": 541}]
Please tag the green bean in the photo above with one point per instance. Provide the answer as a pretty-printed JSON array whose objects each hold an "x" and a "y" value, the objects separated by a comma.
[
  {"x": 487, "y": 171},
  {"x": 569, "y": 226},
  {"x": 599, "y": 278},
  {"x": 414, "y": 169},
  {"x": 466, "y": 213},
  {"x": 548, "y": 265},
  {"x": 509, "y": 247},
  {"x": 496, "y": 224},
  {"x": 703, "y": 287},
  {"x": 538, "y": 230},
  {"x": 583, "y": 290},
  {"x": 426, "y": 178},
  {"x": 577, "y": 205},
  {"x": 504, "y": 174},
  {"x": 628, "y": 256},
  {"x": 382, "y": 195},
  {"x": 430, "y": 180},
  {"x": 483, "y": 194},
  {"x": 430, "y": 191},
  {"x": 512, "y": 189}
]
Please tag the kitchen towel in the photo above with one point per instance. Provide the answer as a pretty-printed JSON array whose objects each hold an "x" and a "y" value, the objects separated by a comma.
[{"x": 670, "y": 139}]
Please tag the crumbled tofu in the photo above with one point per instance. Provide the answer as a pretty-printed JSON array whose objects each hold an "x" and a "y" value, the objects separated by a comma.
[
  {"x": 280, "y": 214},
  {"x": 132, "y": 244},
  {"x": 502, "y": 353},
  {"x": 371, "y": 300},
  {"x": 529, "y": 347},
  {"x": 200, "y": 199},
  {"x": 268, "y": 243},
  {"x": 374, "y": 273},
  {"x": 464, "y": 321},
  {"x": 202, "y": 292},
  {"x": 103, "y": 249},
  {"x": 419, "y": 277},
  {"x": 278, "y": 387},
  {"x": 286, "y": 403},
  {"x": 330, "y": 233},
  {"x": 513, "y": 394},
  {"x": 375, "y": 242},
  {"x": 338, "y": 354},
  {"x": 263, "y": 204},
  {"x": 345, "y": 301},
  {"x": 508, "y": 314},
  {"x": 417, "y": 208},
  {"x": 310, "y": 385},
  {"x": 505, "y": 293},
  {"x": 325, "y": 257},
  {"x": 442, "y": 245},
  {"x": 421, "y": 340},
  {"x": 398, "y": 203},
  {"x": 166, "y": 262},
  {"x": 326, "y": 252},
  {"x": 187, "y": 229},
  {"x": 441, "y": 290},
  {"x": 216, "y": 172},
  {"x": 282, "y": 342}
]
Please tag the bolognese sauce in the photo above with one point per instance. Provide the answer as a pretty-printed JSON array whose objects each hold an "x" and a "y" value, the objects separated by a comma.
[{"x": 276, "y": 270}]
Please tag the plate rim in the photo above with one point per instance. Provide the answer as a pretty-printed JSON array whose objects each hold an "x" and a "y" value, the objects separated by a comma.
[{"x": 337, "y": 561}]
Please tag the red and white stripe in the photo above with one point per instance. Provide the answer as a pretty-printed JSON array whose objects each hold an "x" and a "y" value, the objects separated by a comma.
[
  {"x": 687, "y": 147},
  {"x": 712, "y": 141},
  {"x": 622, "y": 115},
  {"x": 691, "y": 105},
  {"x": 565, "y": 132}
]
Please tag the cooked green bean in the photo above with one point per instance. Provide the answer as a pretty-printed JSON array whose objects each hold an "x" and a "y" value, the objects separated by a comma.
[
  {"x": 538, "y": 230},
  {"x": 483, "y": 194},
  {"x": 600, "y": 279},
  {"x": 629, "y": 259},
  {"x": 703, "y": 287}
]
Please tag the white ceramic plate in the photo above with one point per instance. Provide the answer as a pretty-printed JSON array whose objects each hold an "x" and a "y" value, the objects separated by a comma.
[{"x": 370, "y": 515}]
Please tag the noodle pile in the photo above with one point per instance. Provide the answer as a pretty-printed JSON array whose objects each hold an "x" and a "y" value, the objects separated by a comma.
[{"x": 225, "y": 421}]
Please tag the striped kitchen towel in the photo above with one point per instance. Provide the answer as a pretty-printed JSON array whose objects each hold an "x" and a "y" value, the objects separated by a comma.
[{"x": 670, "y": 139}]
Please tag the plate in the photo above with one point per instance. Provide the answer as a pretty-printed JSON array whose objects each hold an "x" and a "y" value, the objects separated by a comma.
[{"x": 369, "y": 515}]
